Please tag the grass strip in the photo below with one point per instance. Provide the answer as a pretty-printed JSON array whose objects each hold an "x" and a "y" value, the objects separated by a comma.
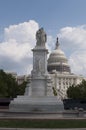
[{"x": 43, "y": 123}]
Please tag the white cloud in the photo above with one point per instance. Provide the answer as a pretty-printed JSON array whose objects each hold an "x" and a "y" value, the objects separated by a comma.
[
  {"x": 23, "y": 32},
  {"x": 74, "y": 36},
  {"x": 78, "y": 62},
  {"x": 73, "y": 41},
  {"x": 15, "y": 50},
  {"x": 18, "y": 40},
  {"x": 50, "y": 43}
]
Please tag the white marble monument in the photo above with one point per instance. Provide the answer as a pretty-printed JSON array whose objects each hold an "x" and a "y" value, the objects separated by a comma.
[{"x": 38, "y": 95}]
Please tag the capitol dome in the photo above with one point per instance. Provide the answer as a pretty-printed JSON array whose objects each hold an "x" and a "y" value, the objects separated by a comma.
[{"x": 57, "y": 60}]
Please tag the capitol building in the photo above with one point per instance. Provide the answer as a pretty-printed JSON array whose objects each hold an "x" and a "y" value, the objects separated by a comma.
[{"x": 60, "y": 72}]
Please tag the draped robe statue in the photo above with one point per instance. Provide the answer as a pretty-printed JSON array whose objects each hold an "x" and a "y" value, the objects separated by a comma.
[{"x": 41, "y": 37}]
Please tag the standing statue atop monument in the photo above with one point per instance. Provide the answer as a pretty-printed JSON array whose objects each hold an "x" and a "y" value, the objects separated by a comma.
[{"x": 41, "y": 37}]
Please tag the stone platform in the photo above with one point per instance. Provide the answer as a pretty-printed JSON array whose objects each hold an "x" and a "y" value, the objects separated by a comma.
[{"x": 36, "y": 104}]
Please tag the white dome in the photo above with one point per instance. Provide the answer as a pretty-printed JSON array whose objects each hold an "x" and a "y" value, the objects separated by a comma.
[{"x": 57, "y": 60}]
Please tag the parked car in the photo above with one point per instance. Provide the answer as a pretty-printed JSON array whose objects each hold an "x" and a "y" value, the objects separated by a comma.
[
  {"x": 74, "y": 104},
  {"x": 4, "y": 102}
]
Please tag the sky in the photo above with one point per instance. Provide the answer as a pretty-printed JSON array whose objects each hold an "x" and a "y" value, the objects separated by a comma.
[{"x": 19, "y": 21}]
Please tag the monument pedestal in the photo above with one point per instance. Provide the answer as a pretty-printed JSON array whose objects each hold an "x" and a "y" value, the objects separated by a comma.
[
  {"x": 38, "y": 95},
  {"x": 37, "y": 99},
  {"x": 36, "y": 104}
]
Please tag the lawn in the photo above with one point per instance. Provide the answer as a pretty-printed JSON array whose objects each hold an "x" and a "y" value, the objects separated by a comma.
[{"x": 43, "y": 123}]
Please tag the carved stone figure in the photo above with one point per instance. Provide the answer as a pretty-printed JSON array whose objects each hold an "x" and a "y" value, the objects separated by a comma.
[
  {"x": 57, "y": 43},
  {"x": 41, "y": 37}
]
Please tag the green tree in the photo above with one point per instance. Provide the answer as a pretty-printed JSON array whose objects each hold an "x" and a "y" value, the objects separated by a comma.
[
  {"x": 77, "y": 91},
  {"x": 9, "y": 87},
  {"x": 54, "y": 91},
  {"x": 21, "y": 88}
]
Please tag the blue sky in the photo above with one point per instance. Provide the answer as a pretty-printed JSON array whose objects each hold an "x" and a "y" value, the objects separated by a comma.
[
  {"x": 65, "y": 18},
  {"x": 51, "y": 14}
]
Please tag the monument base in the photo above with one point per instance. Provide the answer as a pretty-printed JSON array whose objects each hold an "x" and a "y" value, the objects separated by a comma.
[{"x": 48, "y": 104}]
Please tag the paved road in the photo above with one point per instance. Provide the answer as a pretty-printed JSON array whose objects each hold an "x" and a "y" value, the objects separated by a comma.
[{"x": 40, "y": 129}]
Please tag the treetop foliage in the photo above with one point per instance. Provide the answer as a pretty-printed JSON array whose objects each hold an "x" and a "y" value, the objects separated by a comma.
[{"x": 77, "y": 91}]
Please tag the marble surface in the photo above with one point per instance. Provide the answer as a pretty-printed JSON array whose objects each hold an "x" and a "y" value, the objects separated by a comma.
[{"x": 38, "y": 93}]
